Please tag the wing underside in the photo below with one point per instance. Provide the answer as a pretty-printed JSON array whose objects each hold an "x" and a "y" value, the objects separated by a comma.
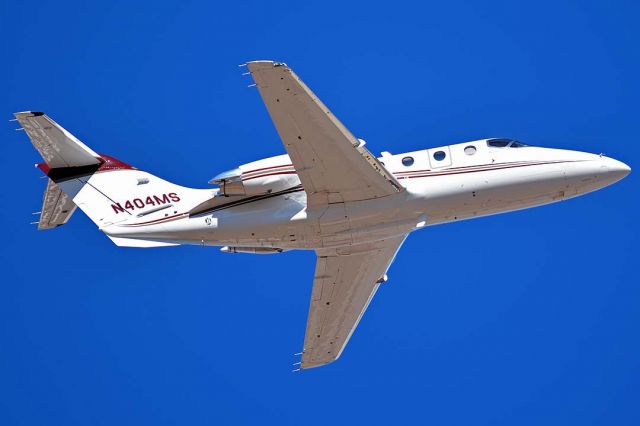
[
  {"x": 332, "y": 164},
  {"x": 345, "y": 281}
]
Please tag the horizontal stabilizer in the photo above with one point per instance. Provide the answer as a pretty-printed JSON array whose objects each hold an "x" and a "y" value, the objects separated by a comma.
[
  {"x": 57, "y": 147},
  {"x": 57, "y": 207}
]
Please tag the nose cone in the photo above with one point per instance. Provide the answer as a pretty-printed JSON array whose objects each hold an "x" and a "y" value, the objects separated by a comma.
[
  {"x": 589, "y": 172},
  {"x": 615, "y": 170}
]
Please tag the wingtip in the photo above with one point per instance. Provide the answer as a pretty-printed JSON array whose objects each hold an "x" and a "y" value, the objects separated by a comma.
[
  {"x": 264, "y": 64},
  {"x": 28, "y": 114}
]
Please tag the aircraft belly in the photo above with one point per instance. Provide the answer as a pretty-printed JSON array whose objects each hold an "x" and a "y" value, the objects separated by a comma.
[{"x": 350, "y": 223}]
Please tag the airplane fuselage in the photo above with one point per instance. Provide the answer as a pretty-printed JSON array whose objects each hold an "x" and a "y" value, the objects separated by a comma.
[{"x": 444, "y": 184}]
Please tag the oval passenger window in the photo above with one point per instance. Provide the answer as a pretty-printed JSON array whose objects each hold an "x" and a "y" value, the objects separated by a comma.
[
  {"x": 470, "y": 150},
  {"x": 439, "y": 156},
  {"x": 407, "y": 161}
]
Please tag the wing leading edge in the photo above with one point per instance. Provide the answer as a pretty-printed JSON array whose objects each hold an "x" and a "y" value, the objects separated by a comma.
[
  {"x": 345, "y": 281},
  {"x": 330, "y": 161}
]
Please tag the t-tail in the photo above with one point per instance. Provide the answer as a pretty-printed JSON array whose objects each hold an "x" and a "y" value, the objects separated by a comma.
[{"x": 108, "y": 190}]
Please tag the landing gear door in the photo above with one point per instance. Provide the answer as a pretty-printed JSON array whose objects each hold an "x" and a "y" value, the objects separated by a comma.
[{"x": 440, "y": 157}]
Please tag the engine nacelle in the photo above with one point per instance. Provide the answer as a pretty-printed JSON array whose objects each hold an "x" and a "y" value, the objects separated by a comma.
[
  {"x": 260, "y": 177},
  {"x": 252, "y": 250}
]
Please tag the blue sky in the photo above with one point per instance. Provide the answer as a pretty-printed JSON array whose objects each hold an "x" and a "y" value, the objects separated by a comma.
[{"x": 525, "y": 318}]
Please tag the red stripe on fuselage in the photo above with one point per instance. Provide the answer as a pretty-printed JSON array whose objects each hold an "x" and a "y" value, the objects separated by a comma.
[
  {"x": 267, "y": 168},
  {"x": 477, "y": 170},
  {"x": 270, "y": 174}
]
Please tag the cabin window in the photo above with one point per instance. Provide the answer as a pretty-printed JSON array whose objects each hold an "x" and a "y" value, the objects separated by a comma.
[
  {"x": 407, "y": 161},
  {"x": 470, "y": 150},
  {"x": 439, "y": 155}
]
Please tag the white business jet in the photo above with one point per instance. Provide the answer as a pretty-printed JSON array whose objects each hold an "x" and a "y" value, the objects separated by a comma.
[{"x": 328, "y": 194}]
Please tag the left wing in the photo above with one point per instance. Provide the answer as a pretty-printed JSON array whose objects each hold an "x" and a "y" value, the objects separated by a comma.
[
  {"x": 332, "y": 164},
  {"x": 346, "y": 279}
]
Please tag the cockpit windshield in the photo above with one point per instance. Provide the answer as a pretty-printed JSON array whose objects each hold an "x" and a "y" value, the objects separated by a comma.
[{"x": 504, "y": 143}]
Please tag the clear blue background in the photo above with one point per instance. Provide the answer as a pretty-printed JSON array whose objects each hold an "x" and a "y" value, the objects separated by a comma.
[{"x": 525, "y": 318}]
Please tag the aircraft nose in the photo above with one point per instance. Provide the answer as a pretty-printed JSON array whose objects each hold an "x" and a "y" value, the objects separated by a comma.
[
  {"x": 589, "y": 172},
  {"x": 615, "y": 169}
]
